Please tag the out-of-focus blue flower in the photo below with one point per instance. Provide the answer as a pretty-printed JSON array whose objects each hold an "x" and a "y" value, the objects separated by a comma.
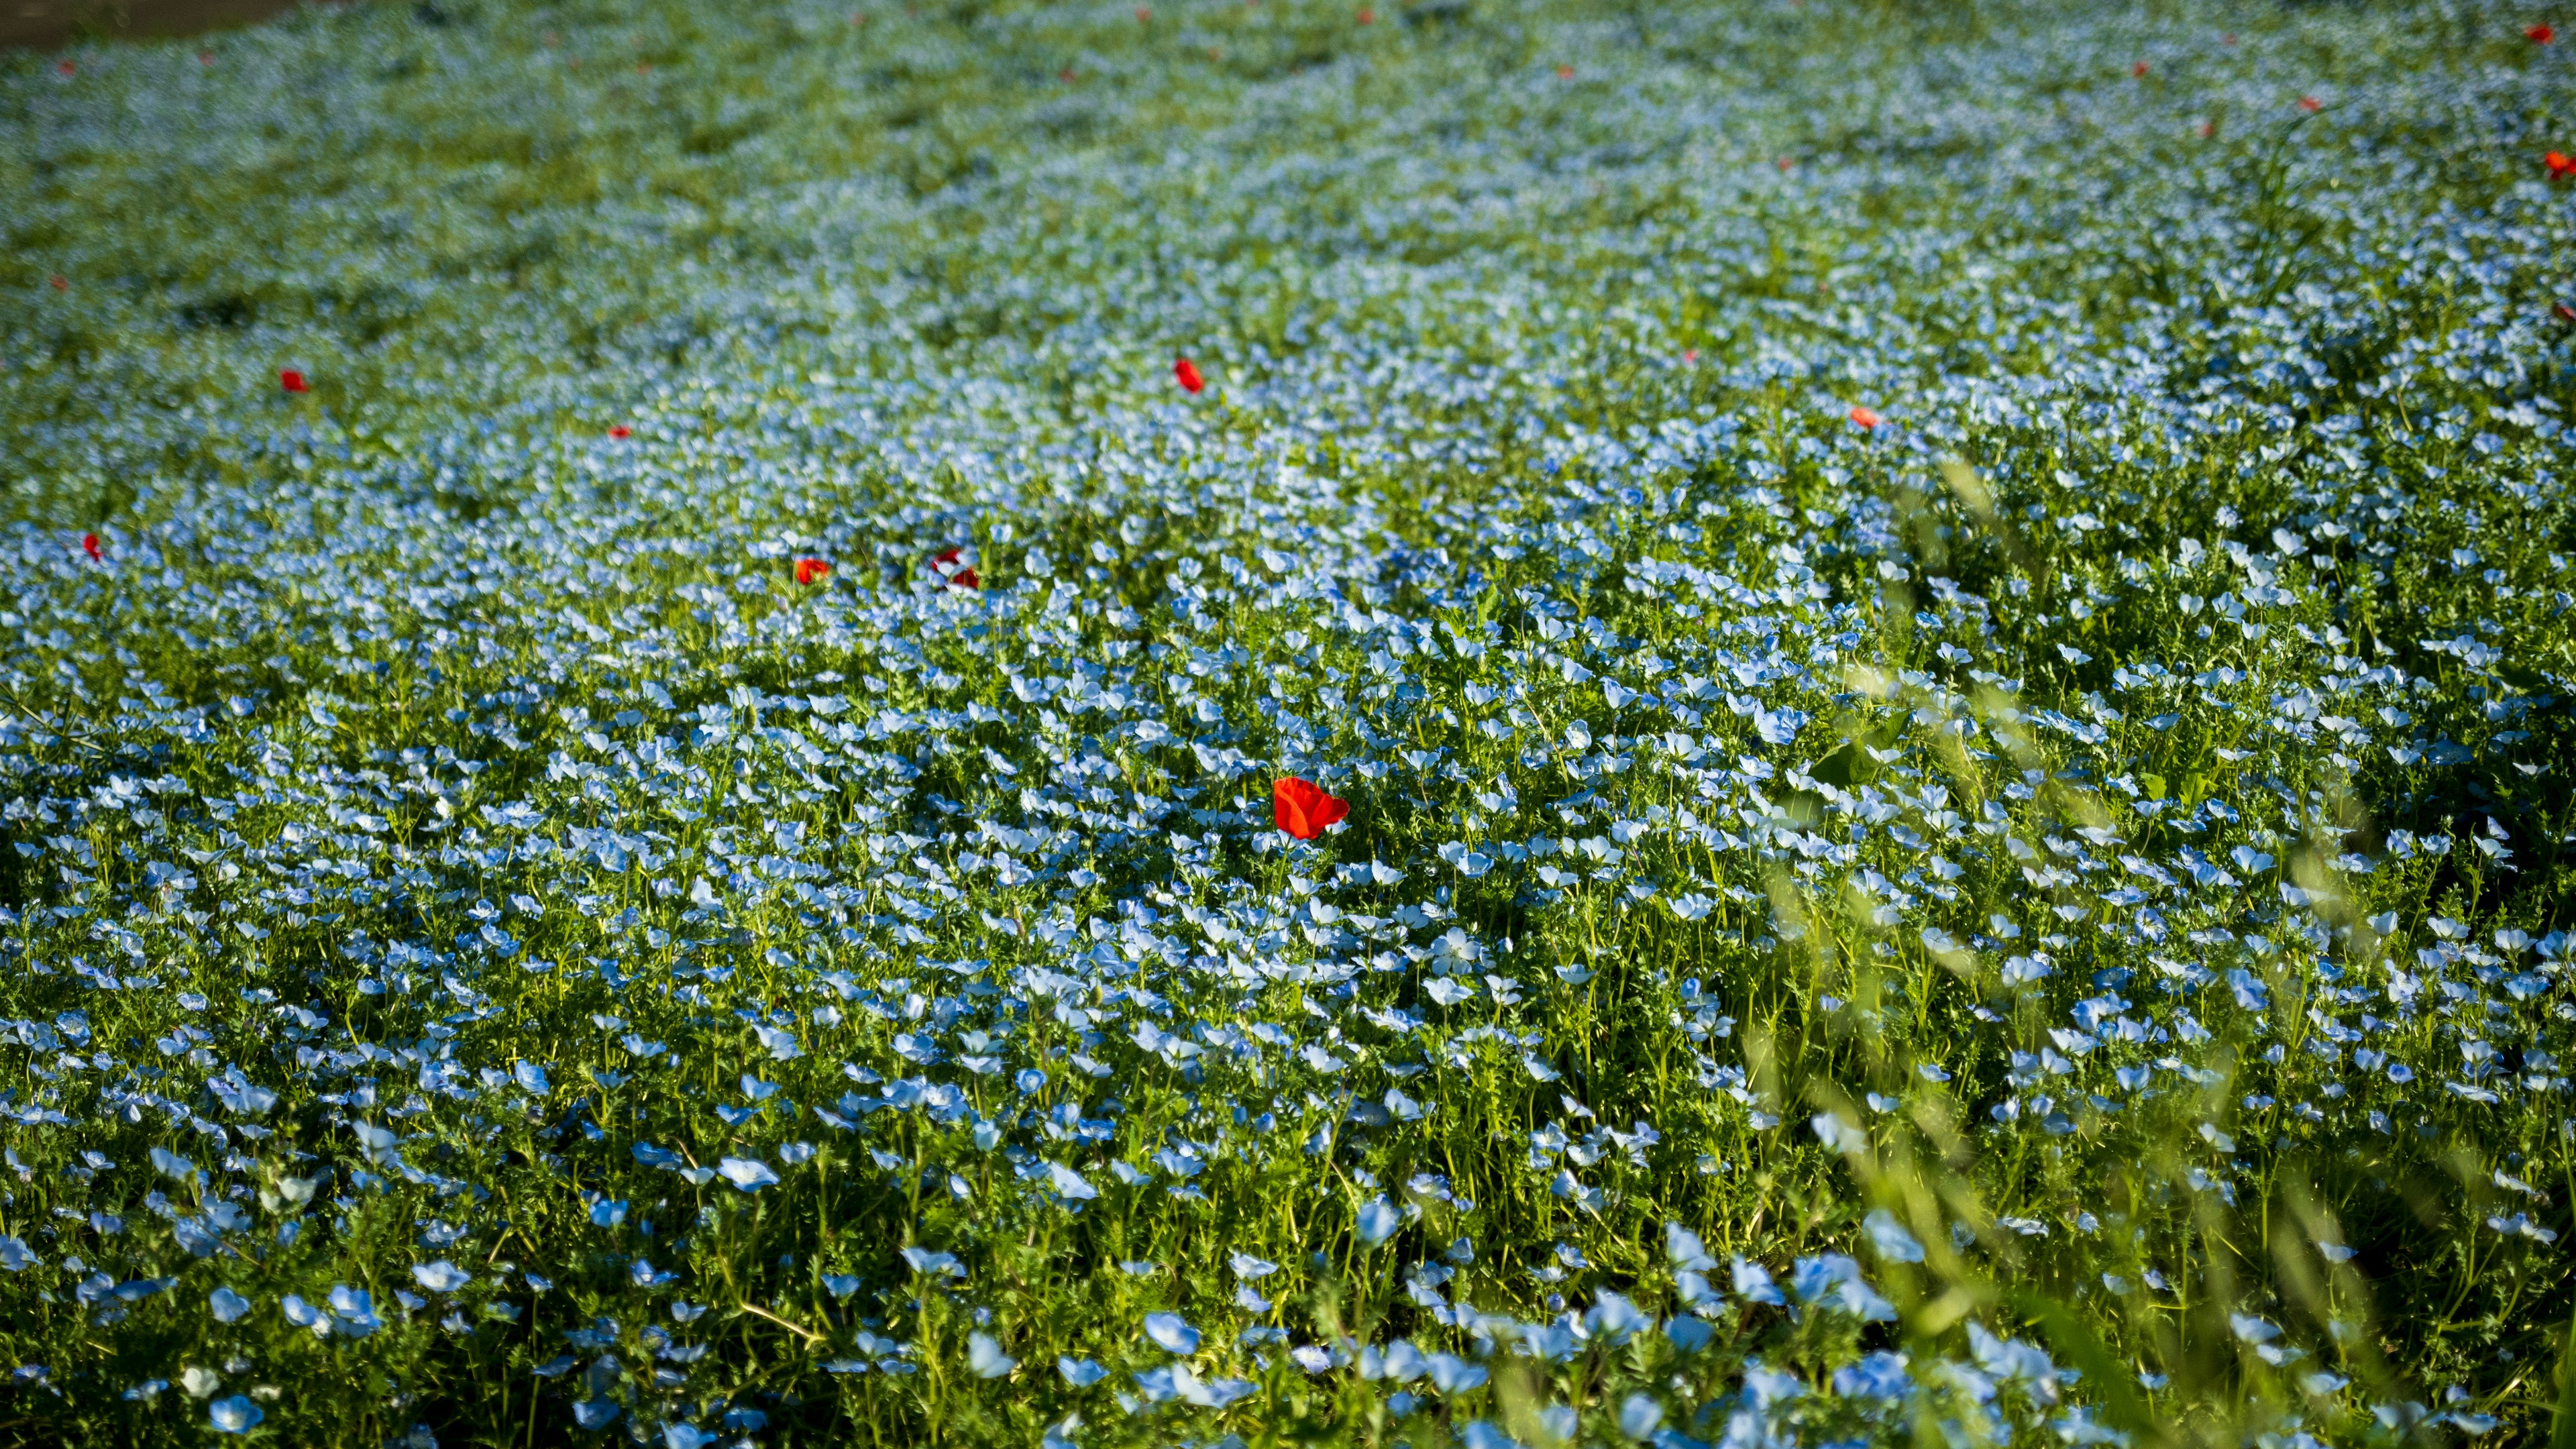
[{"x": 1171, "y": 1333}]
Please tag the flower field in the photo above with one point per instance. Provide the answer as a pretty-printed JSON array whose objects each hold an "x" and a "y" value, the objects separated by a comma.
[{"x": 1257, "y": 722}]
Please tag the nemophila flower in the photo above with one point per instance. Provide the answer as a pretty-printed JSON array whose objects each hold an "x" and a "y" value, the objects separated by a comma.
[
  {"x": 747, "y": 1174},
  {"x": 1377, "y": 1221},
  {"x": 226, "y": 1305},
  {"x": 985, "y": 1359},
  {"x": 1302, "y": 808},
  {"x": 1172, "y": 1333},
  {"x": 953, "y": 567},
  {"x": 292, "y": 380},
  {"x": 1186, "y": 373},
  {"x": 811, "y": 571},
  {"x": 1864, "y": 418},
  {"x": 1889, "y": 1237},
  {"x": 441, "y": 1276},
  {"x": 235, "y": 1415}
]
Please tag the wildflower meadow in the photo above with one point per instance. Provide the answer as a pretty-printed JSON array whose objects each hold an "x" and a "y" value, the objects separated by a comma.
[{"x": 1272, "y": 722}]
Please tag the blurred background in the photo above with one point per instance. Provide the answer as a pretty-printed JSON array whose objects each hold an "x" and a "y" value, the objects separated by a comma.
[{"x": 45, "y": 24}]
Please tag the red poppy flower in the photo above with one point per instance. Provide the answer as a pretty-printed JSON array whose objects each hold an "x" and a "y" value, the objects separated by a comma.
[
  {"x": 60, "y": 283},
  {"x": 1065, "y": 75},
  {"x": 2540, "y": 35},
  {"x": 291, "y": 380},
  {"x": 811, "y": 571},
  {"x": 1303, "y": 809},
  {"x": 2560, "y": 164},
  {"x": 2565, "y": 312},
  {"x": 1690, "y": 357},
  {"x": 1865, "y": 418},
  {"x": 2311, "y": 104},
  {"x": 2139, "y": 69},
  {"x": 1187, "y": 373},
  {"x": 2207, "y": 129},
  {"x": 620, "y": 430},
  {"x": 1565, "y": 72},
  {"x": 954, "y": 571},
  {"x": 205, "y": 57},
  {"x": 89, "y": 545},
  {"x": 1144, "y": 14},
  {"x": 1368, "y": 17},
  {"x": 65, "y": 66},
  {"x": 1783, "y": 164}
]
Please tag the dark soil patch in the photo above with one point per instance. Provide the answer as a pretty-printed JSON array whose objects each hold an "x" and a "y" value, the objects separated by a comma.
[{"x": 47, "y": 24}]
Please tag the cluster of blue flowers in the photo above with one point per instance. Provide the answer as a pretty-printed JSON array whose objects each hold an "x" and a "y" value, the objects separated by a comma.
[{"x": 1947, "y": 652}]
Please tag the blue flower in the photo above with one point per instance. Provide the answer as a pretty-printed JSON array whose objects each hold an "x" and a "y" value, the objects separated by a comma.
[
  {"x": 985, "y": 1359},
  {"x": 1378, "y": 1220},
  {"x": 1171, "y": 1333},
  {"x": 1069, "y": 1183},
  {"x": 441, "y": 1276},
  {"x": 747, "y": 1174},
  {"x": 1890, "y": 1239}
]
